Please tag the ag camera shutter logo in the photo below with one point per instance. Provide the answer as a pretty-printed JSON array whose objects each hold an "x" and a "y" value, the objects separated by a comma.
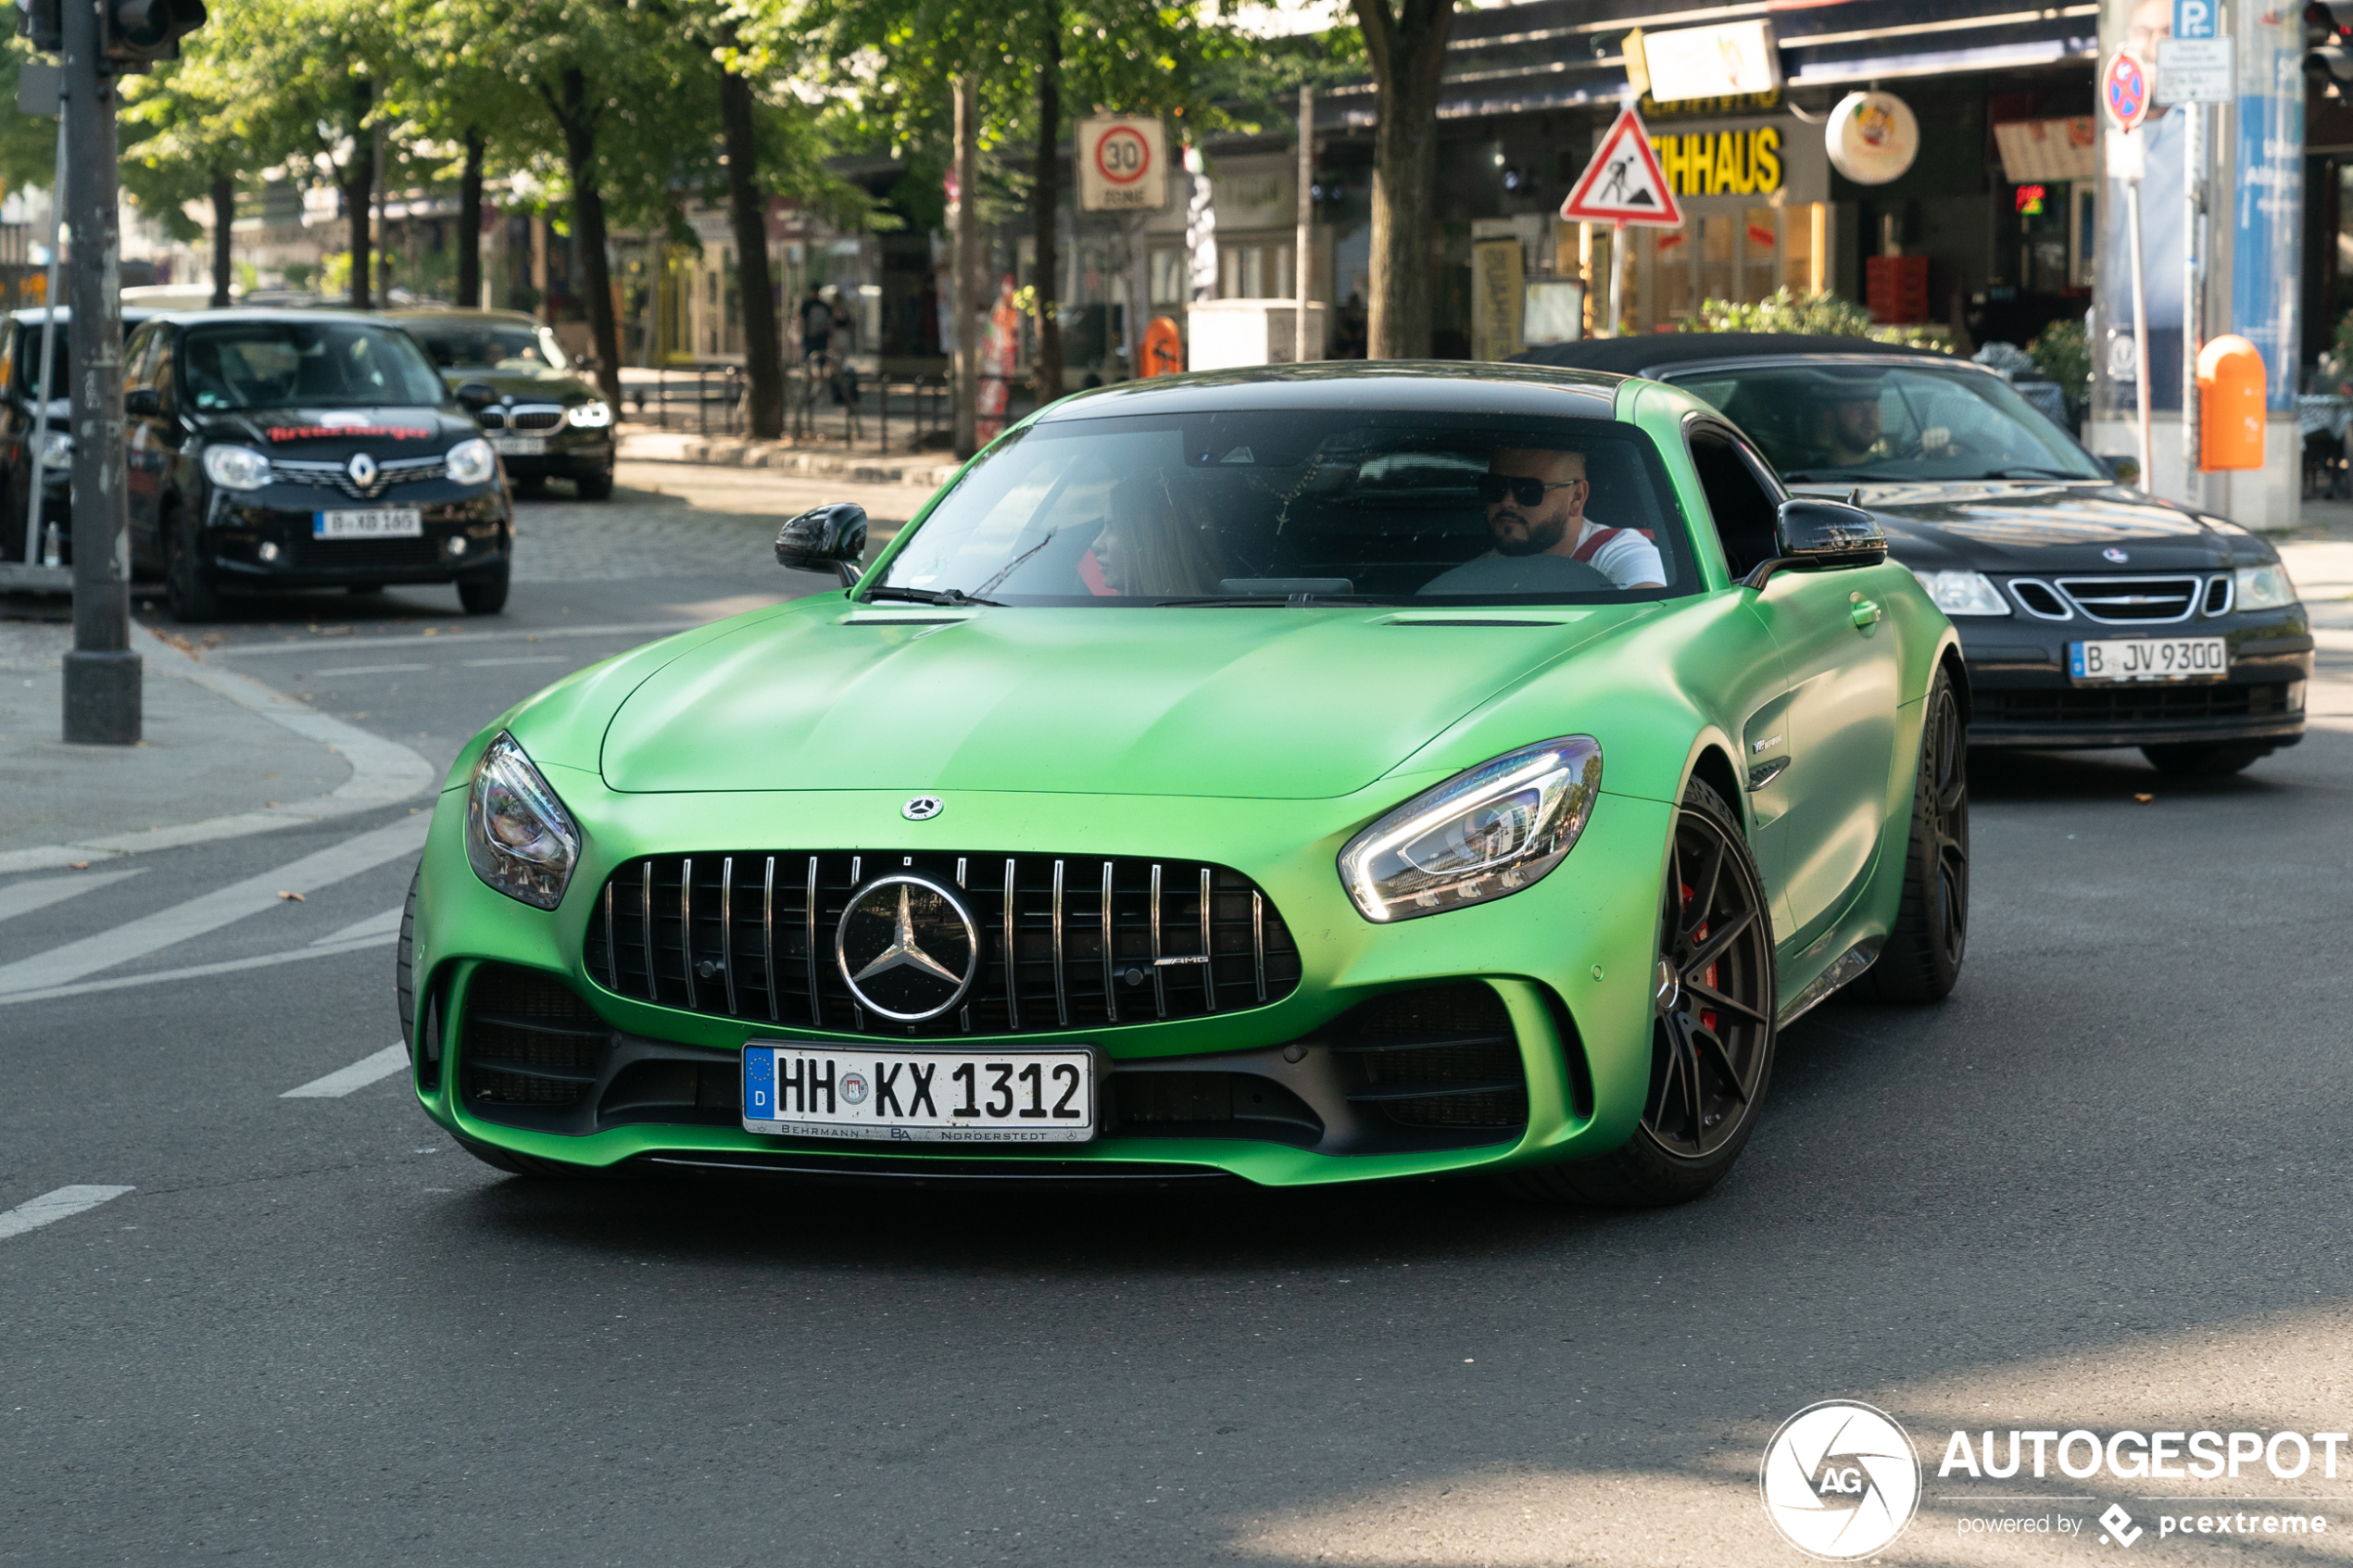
[{"x": 1839, "y": 1480}]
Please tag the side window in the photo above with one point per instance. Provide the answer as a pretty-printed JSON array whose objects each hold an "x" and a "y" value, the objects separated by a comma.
[
  {"x": 136, "y": 354},
  {"x": 1744, "y": 507},
  {"x": 11, "y": 334},
  {"x": 156, "y": 373}
]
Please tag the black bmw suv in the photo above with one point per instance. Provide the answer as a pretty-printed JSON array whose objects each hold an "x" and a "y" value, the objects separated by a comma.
[{"x": 297, "y": 449}]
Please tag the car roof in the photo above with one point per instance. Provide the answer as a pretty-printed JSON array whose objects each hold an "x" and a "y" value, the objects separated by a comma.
[
  {"x": 1659, "y": 351},
  {"x": 453, "y": 313},
  {"x": 36, "y": 314},
  {"x": 268, "y": 313},
  {"x": 1402, "y": 385}
]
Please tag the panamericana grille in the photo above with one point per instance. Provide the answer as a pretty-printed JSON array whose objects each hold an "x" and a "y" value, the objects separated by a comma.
[
  {"x": 2121, "y": 600},
  {"x": 522, "y": 416},
  {"x": 2129, "y": 703},
  {"x": 1068, "y": 942},
  {"x": 338, "y": 476}
]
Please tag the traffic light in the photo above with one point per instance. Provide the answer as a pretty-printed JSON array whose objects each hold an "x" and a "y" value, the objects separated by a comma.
[
  {"x": 136, "y": 33},
  {"x": 43, "y": 22},
  {"x": 2328, "y": 57}
]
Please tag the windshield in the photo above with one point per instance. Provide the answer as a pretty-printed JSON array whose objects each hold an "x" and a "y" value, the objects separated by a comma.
[
  {"x": 305, "y": 363},
  {"x": 1866, "y": 420},
  {"x": 510, "y": 346},
  {"x": 1304, "y": 506}
]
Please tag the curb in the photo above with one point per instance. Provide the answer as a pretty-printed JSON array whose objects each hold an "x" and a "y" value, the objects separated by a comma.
[
  {"x": 383, "y": 772},
  {"x": 777, "y": 457}
]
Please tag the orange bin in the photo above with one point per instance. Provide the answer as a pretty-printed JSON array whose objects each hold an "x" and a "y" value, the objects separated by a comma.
[{"x": 2229, "y": 402}]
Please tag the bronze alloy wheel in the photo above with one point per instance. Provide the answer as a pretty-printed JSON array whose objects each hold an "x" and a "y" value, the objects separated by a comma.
[{"x": 1712, "y": 992}]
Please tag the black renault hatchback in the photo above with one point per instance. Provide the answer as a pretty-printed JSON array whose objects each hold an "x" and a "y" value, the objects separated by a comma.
[{"x": 299, "y": 449}]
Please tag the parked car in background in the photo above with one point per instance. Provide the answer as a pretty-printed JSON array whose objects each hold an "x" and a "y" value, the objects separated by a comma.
[
  {"x": 20, "y": 333},
  {"x": 313, "y": 449},
  {"x": 2091, "y": 615},
  {"x": 547, "y": 422}
]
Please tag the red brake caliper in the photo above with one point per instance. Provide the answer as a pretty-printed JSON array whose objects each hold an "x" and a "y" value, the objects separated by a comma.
[{"x": 1699, "y": 938}]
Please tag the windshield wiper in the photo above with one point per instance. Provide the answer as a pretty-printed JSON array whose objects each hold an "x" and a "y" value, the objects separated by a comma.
[
  {"x": 2028, "y": 471},
  {"x": 930, "y": 596},
  {"x": 1808, "y": 476}
]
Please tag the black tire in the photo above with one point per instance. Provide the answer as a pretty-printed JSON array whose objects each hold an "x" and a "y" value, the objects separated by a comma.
[
  {"x": 1712, "y": 1027},
  {"x": 1923, "y": 954},
  {"x": 188, "y": 589},
  {"x": 404, "y": 977},
  {"x": 595, "y": 487},
  {"x": 485, "y": 594},
  {"x": 2211, "y": 761}
]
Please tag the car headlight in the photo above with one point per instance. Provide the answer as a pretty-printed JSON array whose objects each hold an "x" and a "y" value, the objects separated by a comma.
[
  {"x": 2262, "y": 587},
  {"x": 592, "y": 415},
  {"x": 1482, "y": 834},
  {"x": 1963, "y": 593},
  {"x": 518, "y": 837},
  {"x": 57, "y": 449},
  {"x": 236, "y": 467},
  {"x": 471, "y": 461}
]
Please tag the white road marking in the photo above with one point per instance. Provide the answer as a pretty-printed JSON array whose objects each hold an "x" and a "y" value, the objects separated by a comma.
[
  {"x": 367, "y": 670},
  {"x": 194, "y": 972},
  {"x": 62, "y": 966},
  {"x": 545, "y": 633},
  {"x": 23, "y": 897},
  {"x": 51, "y": 1207},
  {"x": 358, "y": 1076},
  {"x": 384, "y": 924},
  {"x": 501, "y": 663}
]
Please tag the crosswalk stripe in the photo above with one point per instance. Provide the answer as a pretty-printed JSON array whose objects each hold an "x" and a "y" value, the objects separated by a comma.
[
  {"x": 384, "y": 924},
  {"x": 195, "y": 971},
  {"x": 40, "y": 892},
  {"x": 367, "y": 1069},
  {"x": 51, "y": 1207},
  {"x": 135, "y": 939}
]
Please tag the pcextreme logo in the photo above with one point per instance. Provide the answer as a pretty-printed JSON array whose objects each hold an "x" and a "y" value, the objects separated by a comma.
[{"x": 1839, "y": 1480}]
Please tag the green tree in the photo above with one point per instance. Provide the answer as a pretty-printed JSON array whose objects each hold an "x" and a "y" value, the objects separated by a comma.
[
  {"x": 444, "y": 93},
  {"x": 181, "y": 144}
]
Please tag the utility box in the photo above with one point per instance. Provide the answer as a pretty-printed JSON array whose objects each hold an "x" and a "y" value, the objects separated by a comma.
[{"x": 1225, "y": 333}]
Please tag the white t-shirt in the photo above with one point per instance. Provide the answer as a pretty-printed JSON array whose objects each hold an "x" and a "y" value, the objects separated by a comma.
[{"x": 1625, "y": 559}]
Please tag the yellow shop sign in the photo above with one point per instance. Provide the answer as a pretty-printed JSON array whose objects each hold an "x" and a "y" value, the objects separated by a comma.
[{"x": 1722, "y": 163}]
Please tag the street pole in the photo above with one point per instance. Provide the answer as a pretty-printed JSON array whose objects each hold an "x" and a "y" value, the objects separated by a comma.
[
  {"x": 965, "y": 290},
  {"x": 35, "y": 523},
  {"x": 1302, "y": 348},
  {"x": 2194, "y": 199},
  {"x": 102, "y": 674},
  {"x": 1616, "y": 277},
  {"x": 2140, "y": 330}
]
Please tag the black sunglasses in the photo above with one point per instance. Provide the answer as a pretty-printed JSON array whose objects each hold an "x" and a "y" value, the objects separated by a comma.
[{"x": 1494, "y": 487}]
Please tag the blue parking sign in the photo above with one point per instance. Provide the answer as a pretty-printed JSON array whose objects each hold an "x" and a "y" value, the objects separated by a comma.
[{"x": 2195, "y": 18}]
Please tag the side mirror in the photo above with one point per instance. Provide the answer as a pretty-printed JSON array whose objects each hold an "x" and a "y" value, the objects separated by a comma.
[
  {"x": 142, "y": 401},
  {"x": 834, "y": 535},
  {"x": 1815, "y": 535},
  {"x": 476, "y": 395}
]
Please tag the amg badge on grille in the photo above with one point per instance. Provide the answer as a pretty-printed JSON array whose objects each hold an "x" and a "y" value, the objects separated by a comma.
[{"x": 907, "y": 948}]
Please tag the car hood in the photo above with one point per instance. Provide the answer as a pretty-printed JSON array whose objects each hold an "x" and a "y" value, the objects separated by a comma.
[
  {"x": 527, "y": 386},
  {"x": 1261, "y": 703},
  {"x": 2035, "y": 528},
  {"x": 333, "y": 432}
]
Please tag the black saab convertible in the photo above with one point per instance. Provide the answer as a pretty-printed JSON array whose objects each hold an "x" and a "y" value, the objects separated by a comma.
[
  {"x": 2090, "y": 615},
  {"x": 304, "y": 450}
]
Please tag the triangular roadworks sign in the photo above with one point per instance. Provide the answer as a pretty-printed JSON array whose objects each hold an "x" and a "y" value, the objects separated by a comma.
[{"x": 1624, "y": 183}]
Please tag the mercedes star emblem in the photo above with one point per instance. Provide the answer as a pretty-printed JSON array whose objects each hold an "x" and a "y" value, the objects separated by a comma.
[
  {"x": 362, "y": 468},
  {"x": 922, "y": 808},
  {"x": 907, "y": 948},
  {"x": 2112, "y": 553}
]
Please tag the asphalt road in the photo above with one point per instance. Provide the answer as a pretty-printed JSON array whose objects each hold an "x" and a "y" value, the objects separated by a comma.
[{"x": 2103, "y": 1186}]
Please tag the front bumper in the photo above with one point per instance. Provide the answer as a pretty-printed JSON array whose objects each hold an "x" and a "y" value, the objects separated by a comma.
[
  {"x": 2022, "y": 695},
  {"x": 571, "y": 453},
  {"x": 467, "y": 532},
  {"x": 1563, "y": 964}
]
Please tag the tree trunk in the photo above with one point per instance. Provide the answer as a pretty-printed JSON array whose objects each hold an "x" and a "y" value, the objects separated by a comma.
[
  {"x": 579, "y": 123},
  {"x": 224, "y": 217},
  {"x": 360, "y": 188},
  {"x": 470, "y": 225},
  {"x": 763, "y": 350},
  {"x": 1046, "y": 198},
  {"x": 1407, "y": 49}
]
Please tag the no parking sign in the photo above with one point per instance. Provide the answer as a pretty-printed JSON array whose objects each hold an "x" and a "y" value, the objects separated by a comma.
[{"x": 1122, "y": 163}]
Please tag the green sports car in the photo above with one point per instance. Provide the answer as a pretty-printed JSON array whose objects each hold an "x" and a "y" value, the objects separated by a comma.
[{"x": 1300, "y": 774}]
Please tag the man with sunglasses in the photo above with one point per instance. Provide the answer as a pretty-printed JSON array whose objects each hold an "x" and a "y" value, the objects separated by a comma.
[{"x": 1536, "y": 508}]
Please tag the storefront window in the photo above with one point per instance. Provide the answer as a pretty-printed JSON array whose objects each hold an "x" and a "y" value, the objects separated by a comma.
[{"x": 1759, "y": 236}]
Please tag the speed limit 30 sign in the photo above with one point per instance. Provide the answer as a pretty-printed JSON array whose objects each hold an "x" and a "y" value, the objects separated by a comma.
[{"x": 1122, "y": 163}]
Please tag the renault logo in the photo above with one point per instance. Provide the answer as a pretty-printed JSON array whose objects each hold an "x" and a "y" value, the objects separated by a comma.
[
  {"x": 362, "y": 468},
  {"x": 907, "y": 948}
]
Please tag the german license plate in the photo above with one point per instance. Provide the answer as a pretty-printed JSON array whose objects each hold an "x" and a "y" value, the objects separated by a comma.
[
  {"x": 372, "y": 522},
  {"x": 2148, "y": 658},
  {"x": 933, "y": 1097},
  {"x": 521, "y": 446}
]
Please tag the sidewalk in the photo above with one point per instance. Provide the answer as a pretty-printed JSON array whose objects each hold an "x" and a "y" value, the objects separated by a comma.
[
  {"x": 224, "y": 756},
  {"x": 649, "y": 443}
]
